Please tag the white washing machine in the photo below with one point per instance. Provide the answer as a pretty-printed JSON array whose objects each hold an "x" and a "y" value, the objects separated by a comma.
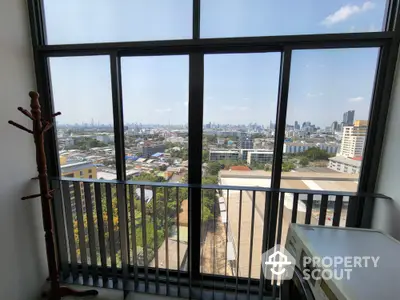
[{"x": 369, "y": 278}]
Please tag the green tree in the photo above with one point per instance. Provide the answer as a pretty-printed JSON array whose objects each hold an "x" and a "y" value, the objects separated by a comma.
[
  {"x": 86, "y": 143},
  {"x": 148, "y": 177},
  {"x": 162, "y": 168},
  {"x": 210, "y": 180},
  {"x": 209, "y": 196},
  {"x": 315, "y": 153},
  {"x": 213, "y": 168},
  {"x": 184, "y": 178},
  {"x": 257, "y": 166},
  {"x": 304, "y": 161},
  {"x": 205, "y": 155},
  {"x": 211, "y": 139},
  {"x": 287, "y": 166}
]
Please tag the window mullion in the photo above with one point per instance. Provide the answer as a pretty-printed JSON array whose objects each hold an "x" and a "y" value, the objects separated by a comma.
[
  {"x": 196, "y": 90},
  {"x": 115, "y": 64},
  {"x": 278, "y": 145}
]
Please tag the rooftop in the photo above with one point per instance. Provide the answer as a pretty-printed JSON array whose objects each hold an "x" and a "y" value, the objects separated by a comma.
[
  {"x": 292, "y": 180},
  {"x": 76, "y": 166},
  {"x": 106, "y": 175},
  {"x": 225, "y": 151},
  {"x": 240, "y": 168},
  {"x": 355, "y": 162}
]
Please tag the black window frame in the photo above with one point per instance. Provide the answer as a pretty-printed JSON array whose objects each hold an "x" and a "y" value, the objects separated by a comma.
[{"x": 196, "y": 47}]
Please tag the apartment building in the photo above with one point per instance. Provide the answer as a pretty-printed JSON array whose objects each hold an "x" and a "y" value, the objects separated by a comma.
[
  {"x": 260, "y": 157},
  {"x": 216, "y": 155},
  {"x": 290, "y": 147},
  {"x": 245, "y": 142},
  {"x": 353, "y": 139},
  {"x": 296, "y": 147}
]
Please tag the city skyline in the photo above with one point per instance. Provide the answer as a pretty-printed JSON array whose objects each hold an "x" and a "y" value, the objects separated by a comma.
[{"x": 96, "y": 124}]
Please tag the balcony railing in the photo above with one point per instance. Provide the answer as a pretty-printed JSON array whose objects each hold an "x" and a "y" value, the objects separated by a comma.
[{"x": 137, "y": 236}]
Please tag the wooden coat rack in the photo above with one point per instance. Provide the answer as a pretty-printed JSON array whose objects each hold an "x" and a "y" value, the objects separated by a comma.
[{"x": 40, "y": 126}]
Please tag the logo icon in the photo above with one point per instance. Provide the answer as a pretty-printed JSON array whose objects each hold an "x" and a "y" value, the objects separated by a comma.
[
  {"x": 278, "y": 260},
  {"x": 278, "y": 264}
]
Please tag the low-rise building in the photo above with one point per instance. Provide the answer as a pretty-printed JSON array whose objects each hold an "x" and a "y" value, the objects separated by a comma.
[
  {"x": 220, "y": 141},
  {"x": 245, "y": 142},
  {"x": 290, "y": 147},
  {"x": 175, "y": 139},
  {"x": 330, "y": 148},
  {"x": 216, "y": 155},
  {"x": 260, "y": 157},
  {"x": 105, "y": 138},
  {"x": 296, "y": 147},
  {"x": 345, "y": 165},
  {"x": 82, "y": 169},
  {"x": 148, "y": 151},
  {"x": 244, "y": 153}
]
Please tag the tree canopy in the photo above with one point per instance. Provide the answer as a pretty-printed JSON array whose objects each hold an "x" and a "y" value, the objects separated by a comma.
[{"x": 315, "y": 153}]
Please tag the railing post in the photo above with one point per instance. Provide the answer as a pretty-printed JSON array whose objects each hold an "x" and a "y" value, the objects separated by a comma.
[
  {"x": 61, "y": 229},
  {"x": 367, "y": 213},
  {"x": 123, "y": 220},
  {"x": 352, "y": 208}
]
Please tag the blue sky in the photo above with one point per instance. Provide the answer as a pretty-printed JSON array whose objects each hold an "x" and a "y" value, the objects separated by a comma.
[{"x": 239, "y": 88}]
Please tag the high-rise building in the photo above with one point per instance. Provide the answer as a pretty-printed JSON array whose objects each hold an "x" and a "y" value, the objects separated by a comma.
[
  {"x": 271, "y": 125},
  {"x": 296, "y": 125},
  {"x": 353, "y": 139},
  {"x": 348, "y": 118},
  {"x": 334, "y": 126}
]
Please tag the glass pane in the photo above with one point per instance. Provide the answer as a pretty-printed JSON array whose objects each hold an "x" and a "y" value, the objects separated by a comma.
[
  {"x": 155, "y": 93},
  {"x": 240, "y": 100},
  {"x": 240, "y": 18},
  {"x": 155, "y": 106},
  {"x": 327, "y": 120},
  {"x": 94, "y": 21},
  {"x": 81, "y": 89}
]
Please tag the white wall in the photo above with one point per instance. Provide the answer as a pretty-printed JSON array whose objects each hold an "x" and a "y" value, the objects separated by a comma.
[
  {"x": 387, "y": 213},
  {"x": 22, "y": 251}
]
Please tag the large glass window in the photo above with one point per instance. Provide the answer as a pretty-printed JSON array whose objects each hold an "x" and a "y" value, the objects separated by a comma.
[
  {"x": 329, "y": 102},
  {"x": 327, "y": 119},
  {"x": 240, "y": 100},
  {"x": 94, "y": 21},
  {"x": 240, "y": 18},
  {"x": 81, "y": 88},
  {"x": 155, "y": 95}
]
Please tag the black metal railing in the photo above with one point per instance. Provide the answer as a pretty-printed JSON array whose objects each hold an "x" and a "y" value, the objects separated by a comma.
[{"x": 135, "y": 236}]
